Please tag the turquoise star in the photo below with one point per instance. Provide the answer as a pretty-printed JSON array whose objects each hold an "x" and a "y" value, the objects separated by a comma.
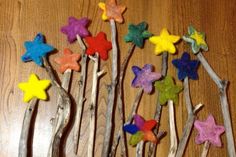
[
  {"x": 137, "y": 34},
  {"x": 36, "y": 50},
  {"x": 167, "y": 90}
]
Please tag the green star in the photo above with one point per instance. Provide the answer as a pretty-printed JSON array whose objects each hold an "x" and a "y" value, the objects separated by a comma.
[
  {"x": 137, "y": 34},
  {"x": 196, "y": 39},
  {"x": 167, "y": 90}
]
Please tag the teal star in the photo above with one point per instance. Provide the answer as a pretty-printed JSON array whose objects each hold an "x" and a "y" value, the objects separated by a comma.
[
  {"x": 137, "y": 34},
  {"x": 36, "y": 50},
  {"x": 167, "y": 90},
  {"x": 196, "y": 39}
]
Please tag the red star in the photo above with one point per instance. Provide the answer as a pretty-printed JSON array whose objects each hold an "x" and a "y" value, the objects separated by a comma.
[
  {"x": 68, "y": 61},
  {"x": 98, "y": 44}
]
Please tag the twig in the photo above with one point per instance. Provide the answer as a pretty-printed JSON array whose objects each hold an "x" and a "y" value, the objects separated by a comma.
[
  {"x": 222, "y": 86},
  {"x": 120, "y": 134},
  {"x": 63, "y": 113},
  {"x": 111, "y": 93},
  {"x": 164, "y": 68},
  {"x": 139, "y": 149},
  {"x": 134, "y": 106},
  {"x": 191, "y": 117},
  {"x": 173, "y": 136},
  {"x": 23, "y": 149},
  {"x": 93, "y": 104},
  {"x": 206, "y": 148},
  {"x": 80, "y": 95}
]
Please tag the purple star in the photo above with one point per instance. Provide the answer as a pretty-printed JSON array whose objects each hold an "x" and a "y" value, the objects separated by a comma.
[
  {"x": 76, "y": 27},
  {"x": 209, "y": 131},
  {"x": 144, "y": 77}
]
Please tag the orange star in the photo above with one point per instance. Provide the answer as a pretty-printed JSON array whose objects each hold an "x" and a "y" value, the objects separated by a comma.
[
  {"x": 112, "y": 11},
  {"x": 68, "y": 61}
]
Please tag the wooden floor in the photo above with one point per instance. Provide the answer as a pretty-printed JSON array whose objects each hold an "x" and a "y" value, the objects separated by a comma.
[{"x": 20, "y": 20}]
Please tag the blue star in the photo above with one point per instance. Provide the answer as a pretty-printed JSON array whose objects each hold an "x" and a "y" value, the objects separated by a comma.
[
  {"x": 186, "y": 67},
  {"x": 36, "y": 50},
  {"x": 144, "y": 77}
]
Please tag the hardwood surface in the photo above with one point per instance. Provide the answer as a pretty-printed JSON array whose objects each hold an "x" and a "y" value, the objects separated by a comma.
[{"x": 20, "y": 20}]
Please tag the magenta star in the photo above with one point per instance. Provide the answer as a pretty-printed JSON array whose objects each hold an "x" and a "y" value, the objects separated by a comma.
[
  {"x": 76, "y": 27},
  {"x": 209, "y": 131},
  {"x": 144, "y": 77}
]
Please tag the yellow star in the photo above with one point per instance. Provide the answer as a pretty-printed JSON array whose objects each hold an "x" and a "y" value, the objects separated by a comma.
[
  {"x": 164, "y": 42},
  {"x": 199, "y": 38},
  {"x": 34, "y": 88}
]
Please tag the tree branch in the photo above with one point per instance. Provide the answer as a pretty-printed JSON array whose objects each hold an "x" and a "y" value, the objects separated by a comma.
[
  {"x": 222, "y": 86},
  {"x": 63, "y": 113},
  {"x": 111, "y": 93},
  {"x": 80, "y": 99},
  {"x": 173, "y": 136},
  {"x": 93, "y": 106},
  {"x": 23, "y": 148},
  {"x": 120, "y": 133},
  {"x": 157, "y": 116},
  {"x": 191, "y": 118},
  {"x": 206, "y": 148}
]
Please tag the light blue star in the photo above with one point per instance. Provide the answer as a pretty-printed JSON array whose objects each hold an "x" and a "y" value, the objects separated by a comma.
[{"x": 36, "y": 50}]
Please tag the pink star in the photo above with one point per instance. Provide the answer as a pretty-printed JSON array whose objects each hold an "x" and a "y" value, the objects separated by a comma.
[{"x": 209, "y": 131}]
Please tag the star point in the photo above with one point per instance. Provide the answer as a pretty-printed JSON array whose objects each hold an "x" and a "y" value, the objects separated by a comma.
[
  {"x": 36, "y": 50},
  {"x": 196, "y": 39},
  {"x": 164, "y": 42},
  {"x": 167, "y": 90},
  {"x": 69, "y": 60},
  {"x": 137, "y": 34},
  {"x": 141, "y": 130},
  {"x": 76, "y": 27},
  {"x": 34, "y": 88},
  {"x": 209, "y": 131},
  {"x": 112, "y": 11},
  {"x": 144, "y": 77},
  {"x": 186, "y": 67},
  {"x": 98, "y": 44}
]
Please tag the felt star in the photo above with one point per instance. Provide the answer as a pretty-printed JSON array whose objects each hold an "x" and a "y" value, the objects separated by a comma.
[
  {"x": 141, "y": 130},
  {"x": 112, "y": 11},
  {"x": 144, "y": 77},
  {"x": 98, "y": 44},
  {"x": 76, "y": 27},
  {"x": 186, "y": 67},
  {"x": 34, "y": 88},
  {"x": 137, "y": 34},
  {"x": 167, "y": 90},
  {"x": 164, "y": 42},
  {"x": 68, "y": 61},
  {"x": 36, "y": 50},
  {"x": 196, "y": 39},
  {"x": 209, "y": 131}
]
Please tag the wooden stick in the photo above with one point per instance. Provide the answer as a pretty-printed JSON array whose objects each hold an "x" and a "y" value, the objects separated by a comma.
[
  {"x": 157, "y": 117},
  {"x": 134, "y": 107},
  {"x": 93, "y": 104},
  {"x": 23, "y": 148},
  {"x": 191, "y": 118},
  {"x": 206, "y": 148},
  {"x": 120, "y": 134},
  {"x": 139, "y": 149},
  {"x": 222, "y": 86},
  {"x": 111, "y": 93},
  {"x": 63, "y": 113},
  {"x": 173, "y": 135},
  {"x": 80, "y": 95}
]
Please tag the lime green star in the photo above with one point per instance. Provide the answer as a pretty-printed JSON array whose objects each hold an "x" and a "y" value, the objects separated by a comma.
[
  {"x": 167, "y": 90},
  {"x": 164, "y": 42},
  {"x": 196, "y": 39},
  {"x": 34, "y": 88}
]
